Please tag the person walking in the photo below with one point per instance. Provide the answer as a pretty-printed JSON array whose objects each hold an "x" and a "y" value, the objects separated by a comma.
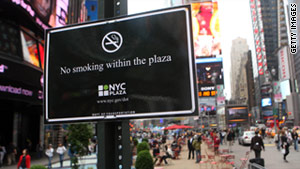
[
  {"x": 257, "y": 145},
  {"x": 24, "y": 161},
  {"x": 197, "y": 146},
  {"x": 61, "y": 151},
  {"x": 284, "y": 145},
  {"x": 216, "y": 140},
  {"x": 11, "y": 154},
  {"x": 39, "y": 149},
  {"x": 49, "y": 154},
  {"x": 230, "y": 139},
  {"x": 277, "y": 139},
  {"x": 295, "y": 139},
  {"x": 190, "y": 147},
  {"x": 222, "y": 136},
  {"x": 2, "y": 154}
]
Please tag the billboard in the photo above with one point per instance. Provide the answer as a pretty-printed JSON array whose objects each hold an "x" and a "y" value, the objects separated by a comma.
[
  {"x": 284, "y": 72},
  {"x": 258, "y": 33},
  {"x": 45, "y": 13},
  {"x": 266, "y": 102},
  {"x": 121, "y": 68},
  {"x": 206, "y": 29},
  {"x": 206, "y": 69},
  {"x": 237, "y": 114}
]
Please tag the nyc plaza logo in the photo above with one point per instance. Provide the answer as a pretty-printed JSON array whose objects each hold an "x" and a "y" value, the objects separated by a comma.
[{"x": 115, "y": 89}]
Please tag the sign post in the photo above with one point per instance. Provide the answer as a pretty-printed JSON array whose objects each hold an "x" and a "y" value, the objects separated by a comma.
[{"x": 136, "y": 66}]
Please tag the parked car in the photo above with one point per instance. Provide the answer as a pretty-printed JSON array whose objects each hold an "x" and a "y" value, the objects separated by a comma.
[{"x": 246, "y": 137}]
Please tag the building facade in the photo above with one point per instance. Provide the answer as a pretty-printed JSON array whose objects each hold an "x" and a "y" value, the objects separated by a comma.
[{"x": 238, "y": 49}]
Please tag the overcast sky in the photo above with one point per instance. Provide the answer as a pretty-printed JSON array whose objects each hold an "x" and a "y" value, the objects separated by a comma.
[{"x": 235, "y": 21}]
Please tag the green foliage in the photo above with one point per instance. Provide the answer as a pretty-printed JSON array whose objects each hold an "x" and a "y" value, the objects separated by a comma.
[
  {"x": 135, "y": 141},
  {"x": 38, "y": 167},
  {"x": 145, "y": 140},
  {"x": 144, "y": 160},
  {"x": 142, "y": 146},
  {"x": 78, "y": 137}
]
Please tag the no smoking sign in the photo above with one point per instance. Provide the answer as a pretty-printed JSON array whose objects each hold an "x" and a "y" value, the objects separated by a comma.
[{"x": 112, "y": 42}]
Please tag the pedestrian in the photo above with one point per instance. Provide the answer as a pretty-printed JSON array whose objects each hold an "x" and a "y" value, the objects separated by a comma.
[
  {"x": 295, "y": 139},
  {"x": 61, "y": 151},
  {"x": 257, "y": 145},
  {"x": 222, "y": 136},
  {"x": 49, "y": 154},
  {"x": 167, "y": 154},
  {"x": 197, "y": 146},
  {"x": 2, "y": 154},
  {"x": 190, "y": 147},
  {"x": 216, "y": 142},
  {"x": 156, "y": 153},
  {"x": 263, "y": 132},
  {"x": 39, "y": 149},
  {"x": 71, "y": 154},
  {"x": 284, "y": 145},
  {"x": 230, "y": 138},
  {"x": 11, "y": 154},
  {"x": 24, "y": 161},
  {"x": 277, "y": 139}
]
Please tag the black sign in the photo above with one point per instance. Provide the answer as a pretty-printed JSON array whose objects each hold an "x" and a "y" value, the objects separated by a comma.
[{"x": 130, "y": 67}]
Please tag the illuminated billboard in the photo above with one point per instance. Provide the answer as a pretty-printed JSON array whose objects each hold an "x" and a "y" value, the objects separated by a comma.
[
  {"x": 45, "y": 13},
  {"x": 266, "y": 102},
  {"x": 206, "y": 29},
  {"x": 237, "y": 114},
  {"x": 207, "y": 68}
]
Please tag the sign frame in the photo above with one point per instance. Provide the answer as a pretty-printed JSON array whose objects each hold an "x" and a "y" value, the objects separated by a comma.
[{"x": 193, "y": 111}]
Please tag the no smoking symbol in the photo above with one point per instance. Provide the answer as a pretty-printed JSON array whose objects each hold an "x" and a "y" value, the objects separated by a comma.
[{"x": 112, "y": 42}]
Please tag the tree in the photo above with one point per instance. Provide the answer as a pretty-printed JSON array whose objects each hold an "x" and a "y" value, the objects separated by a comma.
[
  {"x": 144, "y": 160},
  {"x": 142, "y": 146},
  {"x": 78, "y": 137}
]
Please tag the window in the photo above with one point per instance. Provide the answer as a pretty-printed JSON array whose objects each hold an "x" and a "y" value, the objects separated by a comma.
[
  {"x": 9, "y": 39},
  {"x": 32, "y": 46}
]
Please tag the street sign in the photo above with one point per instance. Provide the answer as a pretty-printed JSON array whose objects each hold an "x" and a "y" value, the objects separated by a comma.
[{"x": 129, "y": 67}]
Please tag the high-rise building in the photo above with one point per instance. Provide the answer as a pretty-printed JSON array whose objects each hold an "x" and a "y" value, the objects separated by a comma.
[
  {"x": 269, "y": 11},
  {"x": 242, "y": 89},
  {"x": 238, "y": 49}
]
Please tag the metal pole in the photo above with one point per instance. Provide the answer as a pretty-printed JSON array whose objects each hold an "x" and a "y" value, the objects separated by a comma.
[{"x": 273, "y": 103}]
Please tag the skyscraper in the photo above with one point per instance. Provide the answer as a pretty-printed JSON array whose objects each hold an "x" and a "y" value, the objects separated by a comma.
[{"x": 238, "y": 49}]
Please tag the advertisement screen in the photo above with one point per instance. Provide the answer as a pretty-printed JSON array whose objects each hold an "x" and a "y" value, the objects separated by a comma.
[
  {"x": 206, "y": 29},
  {"x": 207, "y": 70},
  {"x": 267, "y": 114},
  {"x": 123, "y": 68},
  {"x": 237, "y": 114},
  {"x": 266, "y": 102},
  {"x": 45, "y": 13}
]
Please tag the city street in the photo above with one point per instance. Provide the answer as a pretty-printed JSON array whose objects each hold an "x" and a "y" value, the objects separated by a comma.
[{"x": 273, "y": 158}]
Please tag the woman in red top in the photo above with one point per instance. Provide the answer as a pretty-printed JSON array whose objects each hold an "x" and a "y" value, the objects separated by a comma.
[
  {"x": 216, "y": 143},
  {"x": 24, "y": 161}
]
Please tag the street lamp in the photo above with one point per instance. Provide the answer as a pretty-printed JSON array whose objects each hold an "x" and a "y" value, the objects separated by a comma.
[
  {"x": 273, "y": 73},
  {"x": 214, "y": 80}
]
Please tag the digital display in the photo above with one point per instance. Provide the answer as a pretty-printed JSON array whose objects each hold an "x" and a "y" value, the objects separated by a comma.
[
  {"x": 237, "y": 114},
  {"x": 266, "y": 102},
  {"x": 206, "y": 29},
  {"x": 209, "y": 74}
]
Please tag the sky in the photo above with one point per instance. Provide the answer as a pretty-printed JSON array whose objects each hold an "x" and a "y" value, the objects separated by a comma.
[{"x": 235, "y": 21}]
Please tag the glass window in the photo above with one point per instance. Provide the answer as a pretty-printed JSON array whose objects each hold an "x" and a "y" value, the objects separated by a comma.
[
  {"x": 9, "y": 39},
  {"x": 33, "y": 50}
]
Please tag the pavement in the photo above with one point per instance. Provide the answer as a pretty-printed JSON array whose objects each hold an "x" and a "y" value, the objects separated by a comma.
[
  {"x": 272, "y": 157},
  {"x": 181, "y": 163}
]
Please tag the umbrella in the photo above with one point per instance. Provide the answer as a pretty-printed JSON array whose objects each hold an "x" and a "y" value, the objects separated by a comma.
[
  {"x": 175, "y": 126},
  {"x": 186, "y": 127}
]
